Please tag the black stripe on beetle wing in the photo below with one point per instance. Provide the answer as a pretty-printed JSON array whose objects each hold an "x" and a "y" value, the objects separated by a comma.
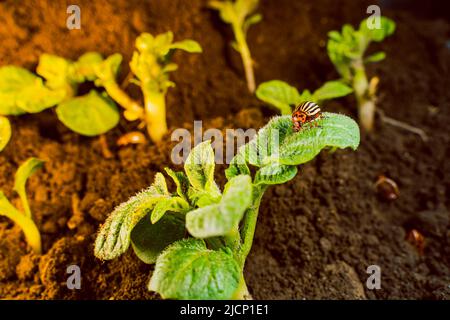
[
  {"x": 314, "y": 110},
  {"x": 300, "y": 106}
]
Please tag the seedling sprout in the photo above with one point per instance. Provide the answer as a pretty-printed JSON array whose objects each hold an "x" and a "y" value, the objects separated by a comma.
[
  {"x": 23, "y": 217},
  {"x": 240, "y": 15}
]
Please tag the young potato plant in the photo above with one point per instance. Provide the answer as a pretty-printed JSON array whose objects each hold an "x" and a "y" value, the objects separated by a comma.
[
  {"x": 347, "y": 52},
  {"x": 23, "y": 217},
  {"x": 94, "y": 113},
  {"x": 199, "y": 236},
  {"x": 240, "y": 15},
  {"x": 285, "y": 97},
  {"x": 22, "y": 92},
  {"x": 151, "y": 65}
]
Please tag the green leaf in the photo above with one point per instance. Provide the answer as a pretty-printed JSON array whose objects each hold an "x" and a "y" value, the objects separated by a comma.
[
  {"x": 84, "y": 69},
  {"x": 376, "y": 57},
  {"x": 187, "y": 45},
  {"x": 108, "y": 69},
  {"x": 149, "y": 240},
  {"x": 275, "y": 174},
  {"x": 226, "y": 11},
  {"x": 181, "y": 181},
  {"x": 21, "y": 91},
  {"x": 251, "y": 20},
  {"x": 5, "y": 132},
  {"x": 387, "y": 28},
  {"x": 222, "y": 218},
  {"x": 89, "y": 115},
  {"x": 20, "y": 180},
  {"x": 237, "y": 166},
  {"x": 331, "y": 90},
  {"x": 173, "y": 204},
  {"x": 55, "y": 70},
  {"x": 306, "y": 96},
  {"x": 189, "y": 270},
  {"x": 267, "y": 142},
  {"x": 113, "y": 238},
  {"x": 332, "y": 130},
  {"x": 279, "y": 94},
  {"x": 199, "y": 168},
  {"x": 278, "y": 144}
]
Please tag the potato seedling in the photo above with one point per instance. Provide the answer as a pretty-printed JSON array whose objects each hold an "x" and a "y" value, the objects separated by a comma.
[
  {"x": 240, "y": 15},
  {"x": 199, "y": 236},
  {"x": 23, "y": 217},
  {"x": 284, "y": 97},
  {"x": 24, "y": 92},
  {"x": 151, "y": 65},
  {"x": 95, "y": 113},
  {"x": 347, "y": 52}
]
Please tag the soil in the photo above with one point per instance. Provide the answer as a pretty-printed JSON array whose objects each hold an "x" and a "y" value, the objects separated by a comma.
[{"x": 317, "y": 234}]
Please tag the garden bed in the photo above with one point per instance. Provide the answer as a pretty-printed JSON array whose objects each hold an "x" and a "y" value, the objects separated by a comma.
[{"x": 318, "y": 233}]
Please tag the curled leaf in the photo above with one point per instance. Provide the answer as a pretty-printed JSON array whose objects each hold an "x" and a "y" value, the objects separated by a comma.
[
  {"x": 222, "y": 218},
  {"x": 113, "y": 238},
  {"x": 22, "y": 174}
]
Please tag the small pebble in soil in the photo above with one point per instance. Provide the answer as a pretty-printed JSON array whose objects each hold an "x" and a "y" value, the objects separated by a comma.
[
  {"x": 134, "y": 137},
  {"x": 387, "y": 188},
  {"x": 417, "y": 240}
]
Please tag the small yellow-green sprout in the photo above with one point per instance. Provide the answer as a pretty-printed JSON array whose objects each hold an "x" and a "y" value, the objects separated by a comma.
[
  {"x": 23, "y": 217},
  {"x": 151, "y": 65},
  {"x": 240, "y": 15},
  {"x": 346, "y": 50}
]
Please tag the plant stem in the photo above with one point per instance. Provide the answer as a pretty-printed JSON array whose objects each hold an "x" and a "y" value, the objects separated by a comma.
[
  {"x": 121, "y": 97},
  {"x": 364, "y": 98},
  {"x": 246, "y": 58},
  {"x": 155, "y": 114},
  {"x": 242, "y": 291},
  {"x": 27, "y": 225},
  {"x": 249, "y": 224}
]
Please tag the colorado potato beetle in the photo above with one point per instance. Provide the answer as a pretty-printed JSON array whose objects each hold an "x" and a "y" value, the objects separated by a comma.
[{"x": 305, "y": 112}]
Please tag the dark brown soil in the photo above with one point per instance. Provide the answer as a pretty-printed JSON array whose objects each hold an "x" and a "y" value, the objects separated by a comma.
[{"x": 318, "y": 233}]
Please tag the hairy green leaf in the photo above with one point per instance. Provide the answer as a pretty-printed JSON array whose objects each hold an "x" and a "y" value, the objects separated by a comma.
[
  {"x": 222, "y": 218},
  {"x": 332, "y": 130},
  {"x": 149, "y": 240},
  {"x": 181, "y": 181},
  {"x": 199, "y": 168},
  {"x": 275, "y": 174},
  {"x": 237, "y": 167},
  {"x": 21, "y": 92},
  {"x": 279, "y": 94},
  {"x": 5, "y": 132},
  {"x": 189, "y": 270},
  {"x": 277, "y": 143},
  {"x": 174, "y": 204},
  {"x": 21, "y": 177},
  {"x": 331, "y": 90},
  {"x": 89, "y": 115},
  {"x": 113, "y": 238},
  {"x": 387, "y": 27}
]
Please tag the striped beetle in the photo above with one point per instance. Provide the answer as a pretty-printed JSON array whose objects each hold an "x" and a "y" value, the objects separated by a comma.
[{"x": 305, "y": 112}]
